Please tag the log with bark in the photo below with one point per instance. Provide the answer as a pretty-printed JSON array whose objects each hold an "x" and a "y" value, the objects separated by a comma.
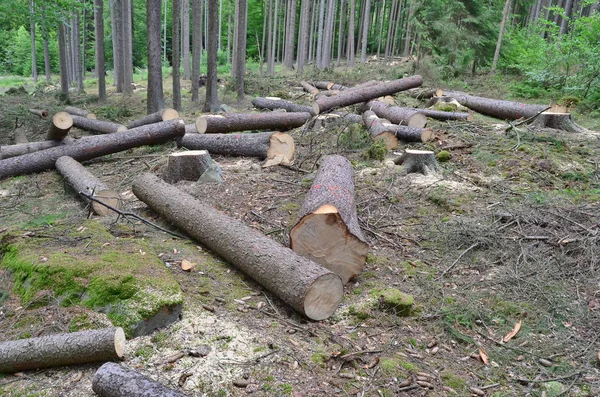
[
  {"x": 114, "y": 380},
  {"x": 424, "y": 93},
  {"x": 30, "y": 147},
  {"x": 378, "y": 130},
  {"x": 97, "y": 126},
  {"x": 156, "y": 117},
  {"x": 191, "y": 129},
  {"x": 363, "y": 94},
  {"x": 418, "y": 161},
  {"x": 92, "y": 147},
  {"x": 84, "y": 181},
  {"x": 186, "y": 166},
  {"x": 441, "y": 115},
  {"x": 325, "y": 85},
  {"x": 398, "y": 115},
  {"x": 234, "y": 122},
  {"x": 410, "y": 134},
  {"x": 303, "y": 284},
  {"x": 73, "y": 111},
  {"x": 43, "y": 113},
  {"x": 311, "y": 89},
  {"x": 327, "y": 231},
  {"x": 60, "y": 126},
  {"x": 557, "y": 120},
  {"x": 506, "y": 110},
  {"x": 62, "y": 349},
  {"x": 278, "y": 103}
]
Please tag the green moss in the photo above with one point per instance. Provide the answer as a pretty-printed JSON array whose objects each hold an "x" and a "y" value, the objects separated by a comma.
[
  {"x": 395, "y": 366},
  {"x": 377, "y": 151},
  {"x": 451, "y": 380},
  {"x": 396, "y": 301},
  {"x": 358, "y": 313},
  {"x": 145, "y": 351},
  {"x": 443, "y": 156},
  {"x": 320, "y": 359},
  {"x": 80, "y": 323}
]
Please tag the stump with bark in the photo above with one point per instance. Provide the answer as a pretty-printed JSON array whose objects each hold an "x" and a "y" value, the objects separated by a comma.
[
  {"x": 161, "y": 115},
  {"x": 327, "y": 231},
  {"x": 114, "y": 380},
  {"x": 43, "y": 113},
  {"x": 235, "y": 122},
  {"x": 278, "y": 103},
  {"x": 30, "y": 147},
  {"x": 97, "y": 126},
  {"x": 311, "y": 89},
  {"x": 62, "y": 349},
  {"x": 187, "y": 166},
  {"x": 557, "y": 120},
  {"x": 303, "y": 284},
  {"x": 378, "y": 130},
  {"x": 60, "y": 126},
  {"x": 410, "y": 134},
  {"x": 73, "y": 111},
  {"x": 84, "y": 181},
  {"x": 418, "y": 161},
  {"x": 398, "y": 115}
]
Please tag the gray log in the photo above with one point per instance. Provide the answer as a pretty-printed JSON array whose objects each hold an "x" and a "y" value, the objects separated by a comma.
[
  {"x": 23, "y": 148},
  {"x": 410, "y": 134},
  {"x": 311, "y": 89},
  {"x": 235, "y": 122},
  {"x": 43, "y": 113},
  {"x": 398, "y": 115},
  {"x": 156, "y": 117},
  {"x": 441, "y": 115},
  {"x": 97, "y": 126},
  {"x": 506, "y": 110},
  {"x": 73, "y": 111},
  {"x": 276, "y": 103}
]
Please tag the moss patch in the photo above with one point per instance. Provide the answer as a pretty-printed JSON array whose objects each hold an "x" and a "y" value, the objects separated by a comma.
[{"x": 396, "y": 301}]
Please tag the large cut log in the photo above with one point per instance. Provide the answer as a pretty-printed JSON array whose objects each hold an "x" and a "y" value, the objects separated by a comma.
[
  {"x": 559, "y": 121},
  {"x": 410, "y": 134},
  {"x": 303, "y": 284},
  {"x": 186, "y": 166},
  {"x": 73, "y": 111},
  {"x": 278, "y": 103},
  {"x": 234, "y": 122},
  {"x": 84, "y": 181},
  {"x": 363, "y": 94},
  {"x": 327, "y": 231},
  {"x": 424, "y": 93},
  {"x": 43, "y": 113},
  {"x": 325, "y": 85},
  {"x": 161, "y": 115},
  {"x": 506, "y": 110},
  {"x": 62, "y": 349},
  {"x": 60, "y": 126},
  {"x": 379, "y": 131},
  {"x": 23, "y": 148},
  {"x": 114, "y": 380},
  {"x": 441, "y": 115},
  {"x": 92, "y": 147},
  {"x": 398, "y": 115},
  {"x": 418, "y": 161},
  {"x": 264, "y": 145},
  {"x": 311, "y": 89},
  {"x": 97, "y": 126}
]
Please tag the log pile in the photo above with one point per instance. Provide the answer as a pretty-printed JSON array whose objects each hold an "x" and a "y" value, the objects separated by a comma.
[{"x": 378, "y": 130}]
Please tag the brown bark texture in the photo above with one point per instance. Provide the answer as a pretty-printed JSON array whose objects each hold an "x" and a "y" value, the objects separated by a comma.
[
  {"x": 92, "y": 147},
  {"x": 30, "y": 147},
  {"x": 114, "y": 380},
  {"x": 276, "y": 103},
  {"x": 506, "y": 110},
  {"x": 311, "y": 89},
  {"x": 233, "y": 122},
  {"x": 398, "y": 115},
  {"x": 249, "y": 145},
  {"x": 60, "y": 126},
  {"x": 97, "y": 126},
  {"x": 62, "y": 349},
  {"x": 156, "y": 117},
  {"x": 79, "y": 112},
  {"x": 441, "y": 115},
  {"x": 186, "y": 166},
  {"x": 43, "y": 113},
  {"x": 378, "y": 130},
  {"x": 304, "y": 285},
  {"x": 411, "y": 134},
  {"x": 363, "y": 94}
]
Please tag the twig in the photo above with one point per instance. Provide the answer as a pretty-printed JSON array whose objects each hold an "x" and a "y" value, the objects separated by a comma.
[
  {"x": 549, "y": 380},
  {"x": 293, "y": 168},
  {"x": 511, "y": 125},
  {"x": 345, "y": 356},
  {"x": 456, "y": 261}
]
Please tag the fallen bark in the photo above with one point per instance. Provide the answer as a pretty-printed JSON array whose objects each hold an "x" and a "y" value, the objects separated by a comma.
[
  {"x": 73, "y": 111},
  {"x": 304, "y": 285},
  {"x": 312, "y": 90},
  {"x": 114, "y": 380},
  {"x": 378, "y": 130},
  {"x": 277, "y": 103},
  {"x": 92, "y": 147},
  {"x": 97, "y": 126},
  {"x": 559, "y": 121},
  {"x": 410, "y": 134},
  {"x": 398, "y": 115},
  {"x": 161, "y": 115},
  {"x": 30, "y": 147},
  {"x": 327, "y": 231},
  {"x": 60, "y": 126},
  {"x": 62, "y": 349},
  {"x": 506, "y": 110},
  {"x": 235, "y": 122},
  {"x": 363, "y": 94},
  {"x": 43, "y": 113},
  {"x": 441, "y": 115},
  {"x": 186, "y": 166}
]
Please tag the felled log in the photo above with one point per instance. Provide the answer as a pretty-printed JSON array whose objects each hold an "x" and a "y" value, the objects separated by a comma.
[
  {"x": 324, "y": 85},
  {"x": 30, "y": 147},
  {"x": 410, "y": 134},
  {"x": 234, "y": 122},
  {"x": 264, "y": 145},
  {"x": 114, "y": 380},
  {"x": 304, "y": 285},
  {"x": 445, "y": 104},
  {"x": 379, "y": 131},
  {"x": 506, "y": 110},
  {"x": 60, "y": 126},
  {"x": 19, "y": 136},
  {"x": 92, "y": 147},
  {"x": 418, "y": 161},
  {"x": 312, "y": 90},
  {"x": 441, "y": 115},
  {"x": 161, "y": 115},
  {"x": 84, "y": 181},
  {"x": 191, "y": 129},
  {"x": 398, "y": 115},
  {"x": 43, "y": 113},
  {"x": 186, "y": 166},
  {"x": 363, "y": 94},
  {"x": 327, "y": 231},
  {"x": 557, "y": 120},
  {"x": 424, "y": 93},
  {"x": 62, "y": 349},
  {"x": 97, "y": 126},
  {"x": 73, "y": 111},
  {"x": 278, "y": 103}
]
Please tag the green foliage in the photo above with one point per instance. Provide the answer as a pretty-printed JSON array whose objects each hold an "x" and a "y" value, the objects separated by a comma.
[{"x": 377, "y": 151}]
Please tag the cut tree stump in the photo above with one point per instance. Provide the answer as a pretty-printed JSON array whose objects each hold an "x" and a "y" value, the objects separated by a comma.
[
  {"x": 92, "y": 147},
  {"x": 30, "y": 147},
  {"x": 278, "y": 103},
  {"x": 60, "y": 126},
  {"x": 424, "y": 93},
  {"x": 398, "y": 115},
  {"x": 363, "y": 94},
  {"x": 506, "y": 110},
  {"x": 327, "y": 231},
  {"x": 43, "y": 113},
  {"x": 418, "y": 161},
  {"x": 235, "y": 122},
  {"x": 410, "y": 134},
  {"x": 303, "y": 284},
  {"x": 161, "y": 115},
  {"x": 73, "y": 111},
  {"x": 378, "y": 130},
  {"x": 97, "y": 126},
  {"x": 311, "y": 89},
  {"x": 187, "y": 166},
  {"x": 62, "y": 349},
  {"x": 441, "y": 115},
  {"x": 84, "y": 181},
  {"x": 264, "y": 145},
  {"x": 115, "y": 380},
  {"x": 558, "y": 121}
]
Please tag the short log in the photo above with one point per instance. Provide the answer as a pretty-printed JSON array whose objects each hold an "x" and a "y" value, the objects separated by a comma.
[
  {"x": 410, "y": 134},
  {"x": 418, "y": 161},
  {"x": 30, "y": 147},
  {"x": 114, "y": 380},
  {"x": 235, "y": 122},
  {"x": 161, "y": 115},
  {"x": 97, "y": 126},
  {"x": 83, "y": 347},
  {"x": 73, "y": 111},
  {"x": 559, "y": 121},
  {"x": 303, "y": 284},
  {"x": 424, "y": 93},
  {"x": 378, "y": 130},
  {"x": 277, "y": 103},
  {"x": 187, "y": 166},
  {"x": 43, "y": 113},
  {"x": 398, "y": 115},
  {"x": 327, "y": 231},
  {"x": 325, "y": 85},
  {"x": 311, "y": 89},
  {"x": 84, "y": 181},
  {"x": 60, "y": 126}
]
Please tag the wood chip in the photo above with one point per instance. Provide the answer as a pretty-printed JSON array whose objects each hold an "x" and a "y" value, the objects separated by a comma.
[
  {"x": 174, "y": 357},
  {"x": 545, "y": 363},
  {"x": 347, "y": 375},
  {"x": 76, "y": 376},
  {"x": 183, "y": 378},
  {"x": 484, "y": 356},
  {"x": 477, "y": 391},
  {"x": 426, "y": 385},
  {"x": 513, "y": 332},
  {"x": 187, "y": 266},
  {"x": 449, "y": 389}
]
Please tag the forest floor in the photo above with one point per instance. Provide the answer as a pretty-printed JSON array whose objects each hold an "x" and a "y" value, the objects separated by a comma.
[{"x": 507, "y": 233}]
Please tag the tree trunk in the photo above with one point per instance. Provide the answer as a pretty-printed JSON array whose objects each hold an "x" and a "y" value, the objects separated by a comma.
[
  {"x": 60, "y": 126},
  {"x": 341, "y": 32},
  {"x": 185, "y": 42},
  {"x": 32, "y": 33},
  {"x": 418, "y": 161},
  {"x": 327, "y": 231},
  {"x": 157, "y": 117},
  {"x": 96, "y": 126},
  {"x": 320, "y": 27},
  {"x": 378, "y": 130},
  {"x": 410, "y": 134},
  {"x": 196, "y": 47},
  {"x": 498, "y": 108},
  {"x": 186, "y": 166},
  {"x": 155, "y": 99},
  {"x": 505, "y": 14},
  {"x": 310, "y": 88},
  {"x": 441, "y": 115},
  {"x": 62, "y": 349},
  {"x": 127, "y": 54},
  {"x": 99, "y": 40},
  {"x": 303, "y": 34},
  {"x": 43, "y": 113},
  {"x": 92, "y": 147},
  {"x": 270, "y": 60},
  {"x": 350, "y": 52},
  {"x": 79, "y": 112},
  {"x": 398, "y": 115},
  {"x": 114, "y": 380},
  {"x": 47, "y": 68},
  {"x": 117, "y": 36},
  {"x": 240, "y": 66},
  {"x": 212, "y": 96},
  {"x": 328, "y": 33},
  {"x": 277, "y": 103},
  {"x": 312, "y": 32},
  {"x": 82, "y": 180},
  {"x": 30, "y": 147},
  {"x": 290, "y": 35},
  {"x": 62, "y": 55},
  {"x": 233, "y": 122},
  {"x": 304, "y": 285},
  {"x": 76, "y": 53},
  {"x": 175, "y": 53},
  {"x": 409, "y": 24},
  {"x": 365, "y": 31},
  {"x": 568, "y": 16}
]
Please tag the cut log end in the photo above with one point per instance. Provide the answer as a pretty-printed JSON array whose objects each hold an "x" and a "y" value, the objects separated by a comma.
[
  {"x": 170, "y": 114},
  {"x": 120, "y": 342},
  {"x": 417, "y": 120},
  {"x": 121, "y": 129},
  {"x": 427, "y": 135},
  {"x": 316, "y": 109},
  {"x": 201, "y": 125},
  {"x": 323, "y": 297},
  {"x": 389, "y": 138},
  {"x": 62, "y": 120},
  {"x": 110, "y": 197},
  {"x": 281, "y": 144}
]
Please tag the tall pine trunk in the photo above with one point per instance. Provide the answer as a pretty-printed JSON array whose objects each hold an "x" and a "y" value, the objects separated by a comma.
[
  {"x": 176, "y": 56},
  {"x": 196, "y": 47},
  {"x": 127, "y": 54},
  {"x": 47, "y": 68},
  {"x": 185, "y": 33},
  {"x": 62, "y": 55},
  {"x": 240, "y": 67},
  {"x": 290, "y": 36},
  {"x": 365, "y": 31},
  {"x": 212, "y": 98},
  {"x": 409, "y": 25},
  {"x": 32, "y": 32},
  {"x": 116, "y": 42},
  {"x": 303, "y": 34},
  {"x": 99, "y": 42},
  {"x": 270, "y": 52},
  {"x": 350, "y": 52},
  {"x": 341, "y": 32},
  {"x": 320, "y": 28},
  {"x": 77, "y": 52},
  {"x": 155, "y": 99},
  {"x": 505, "y": 14}
]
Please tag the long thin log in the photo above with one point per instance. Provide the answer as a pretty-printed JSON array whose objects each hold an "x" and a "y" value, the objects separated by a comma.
[
  {"x": 378, "y": 130},
  {"x": 304, "y": 285},
  {"x": 278, "y": 103},
  {"x": 60, "y": 126},
  {"x": 506, "y": 110},
  {"x": 410, "y": 134},
  {"x": 441, "y": 115},
  {"x": 161, "y": 115},
  {"x": 114, "y": 380},
  {"x": 30, "y": 147},
  {"x": 398, "y": 115},
  {"x": 97, "y": 126},
  {"x": 62, "y": 349},
  {"x": 43, "y": 113},
  {"x": 234, "y": 122},
  {"x": 73, "y": 111},
  {"x": 311, "y": 89},
  {"x": 363, "y": 94},
  {"x": 324, "y": 85},
  {"x": 92, "y": 147}
]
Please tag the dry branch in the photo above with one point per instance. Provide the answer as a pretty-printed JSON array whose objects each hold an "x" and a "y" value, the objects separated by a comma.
[
  {"x": 161, "y": 115},
  {"x": 235, "y": 122},
  {"x": 97, "y": 126}
]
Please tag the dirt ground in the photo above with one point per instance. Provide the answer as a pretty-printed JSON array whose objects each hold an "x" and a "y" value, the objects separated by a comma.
[{"x": 507, "y": 233}]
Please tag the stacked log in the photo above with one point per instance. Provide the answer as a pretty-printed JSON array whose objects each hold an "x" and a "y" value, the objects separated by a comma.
[
  {"x": 378, "y": 130},
  {"x": 60, "y": 126},
  {"x": 97, "y": 126},
  {"x": 312, "y": 90},
  {"x": 273, "y": 103},
  {"x": 398, "y": 115},
  {"x": 234, "y": 122},
  {"x": 161, "y": 115},
  {"x": 73, "y": 111}
]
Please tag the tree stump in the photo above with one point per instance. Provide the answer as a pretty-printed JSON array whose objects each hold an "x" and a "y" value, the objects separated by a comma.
[
  {"x": 278, "y": 103},
  {"x": 62, "y": 349},
  {"x": 114, "y": 380},
  {"x": 187, "y": 166},
  {"x": 305, "y": 285},
  {"x": 418, "y": 161},
  {"x": 378, "y": 130},
  {"x": 327, "y": 231},
  {"x": 161, "y": 115},
  {"x": 235, "y": 122},
  {"x": 43, "y": 113},
  {"x": 73, "y": 111},
  {"x": 410, "y": 134},
  {"x": 97, "y": 126},
  {"x": 558, "y": 121},
  {"x": 60, "y": 126},
  {"x": 398, "y": 115}
]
